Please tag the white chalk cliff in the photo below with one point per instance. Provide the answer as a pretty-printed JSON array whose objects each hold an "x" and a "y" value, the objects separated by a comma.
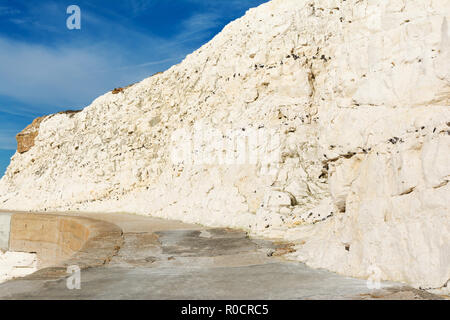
[{"x": 355, "y": 96}]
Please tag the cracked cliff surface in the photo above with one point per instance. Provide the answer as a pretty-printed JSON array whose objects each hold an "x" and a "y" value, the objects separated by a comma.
[{"x": 358, "y": 94}]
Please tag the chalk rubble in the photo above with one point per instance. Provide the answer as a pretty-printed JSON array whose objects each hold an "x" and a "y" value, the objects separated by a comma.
[{"x": 16, "y": 265}]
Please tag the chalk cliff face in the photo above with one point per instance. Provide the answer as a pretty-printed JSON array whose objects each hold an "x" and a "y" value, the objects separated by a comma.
[{"x": 323, "y": 122}]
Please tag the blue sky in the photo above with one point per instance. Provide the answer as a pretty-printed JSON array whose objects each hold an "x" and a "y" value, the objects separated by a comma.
[{"x": 46, "y": 68}]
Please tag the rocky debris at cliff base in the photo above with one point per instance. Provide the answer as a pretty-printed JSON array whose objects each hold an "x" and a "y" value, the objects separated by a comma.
[
  {"x": 16, "y": 265},
  {"x": 350, "y": 103}
]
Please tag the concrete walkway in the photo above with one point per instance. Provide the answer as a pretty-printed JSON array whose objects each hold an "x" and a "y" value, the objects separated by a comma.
[{"x": 162, "y": 259}]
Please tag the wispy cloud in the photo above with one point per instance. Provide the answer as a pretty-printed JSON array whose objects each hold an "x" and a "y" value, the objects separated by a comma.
[
  {"x": 150, "y": 63},
  {"x": 139, "y": 6},
  {"x": 73, "y": 73},
  {"x": 48, "y": 75},
  {"x": 8, "y": 11},
  {"x": 229, "y": 7},
  {"x": 7, "y": 139},
  {"x": 199, "y": 23},
  {"x": 13, "y": 110}
]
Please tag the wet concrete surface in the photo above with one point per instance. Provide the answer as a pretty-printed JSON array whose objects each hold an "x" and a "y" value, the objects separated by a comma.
[{"x": 162, "y": 259}]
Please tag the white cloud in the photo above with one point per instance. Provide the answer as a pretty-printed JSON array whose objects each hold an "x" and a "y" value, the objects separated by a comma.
[
  {"x": 201, "y": 21},
  {"x": 7, "y": 11},
  {"x": 139, "y": 6},
  {"x": 7, "y": 139},
  {"x": 34, "y": 73}
]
